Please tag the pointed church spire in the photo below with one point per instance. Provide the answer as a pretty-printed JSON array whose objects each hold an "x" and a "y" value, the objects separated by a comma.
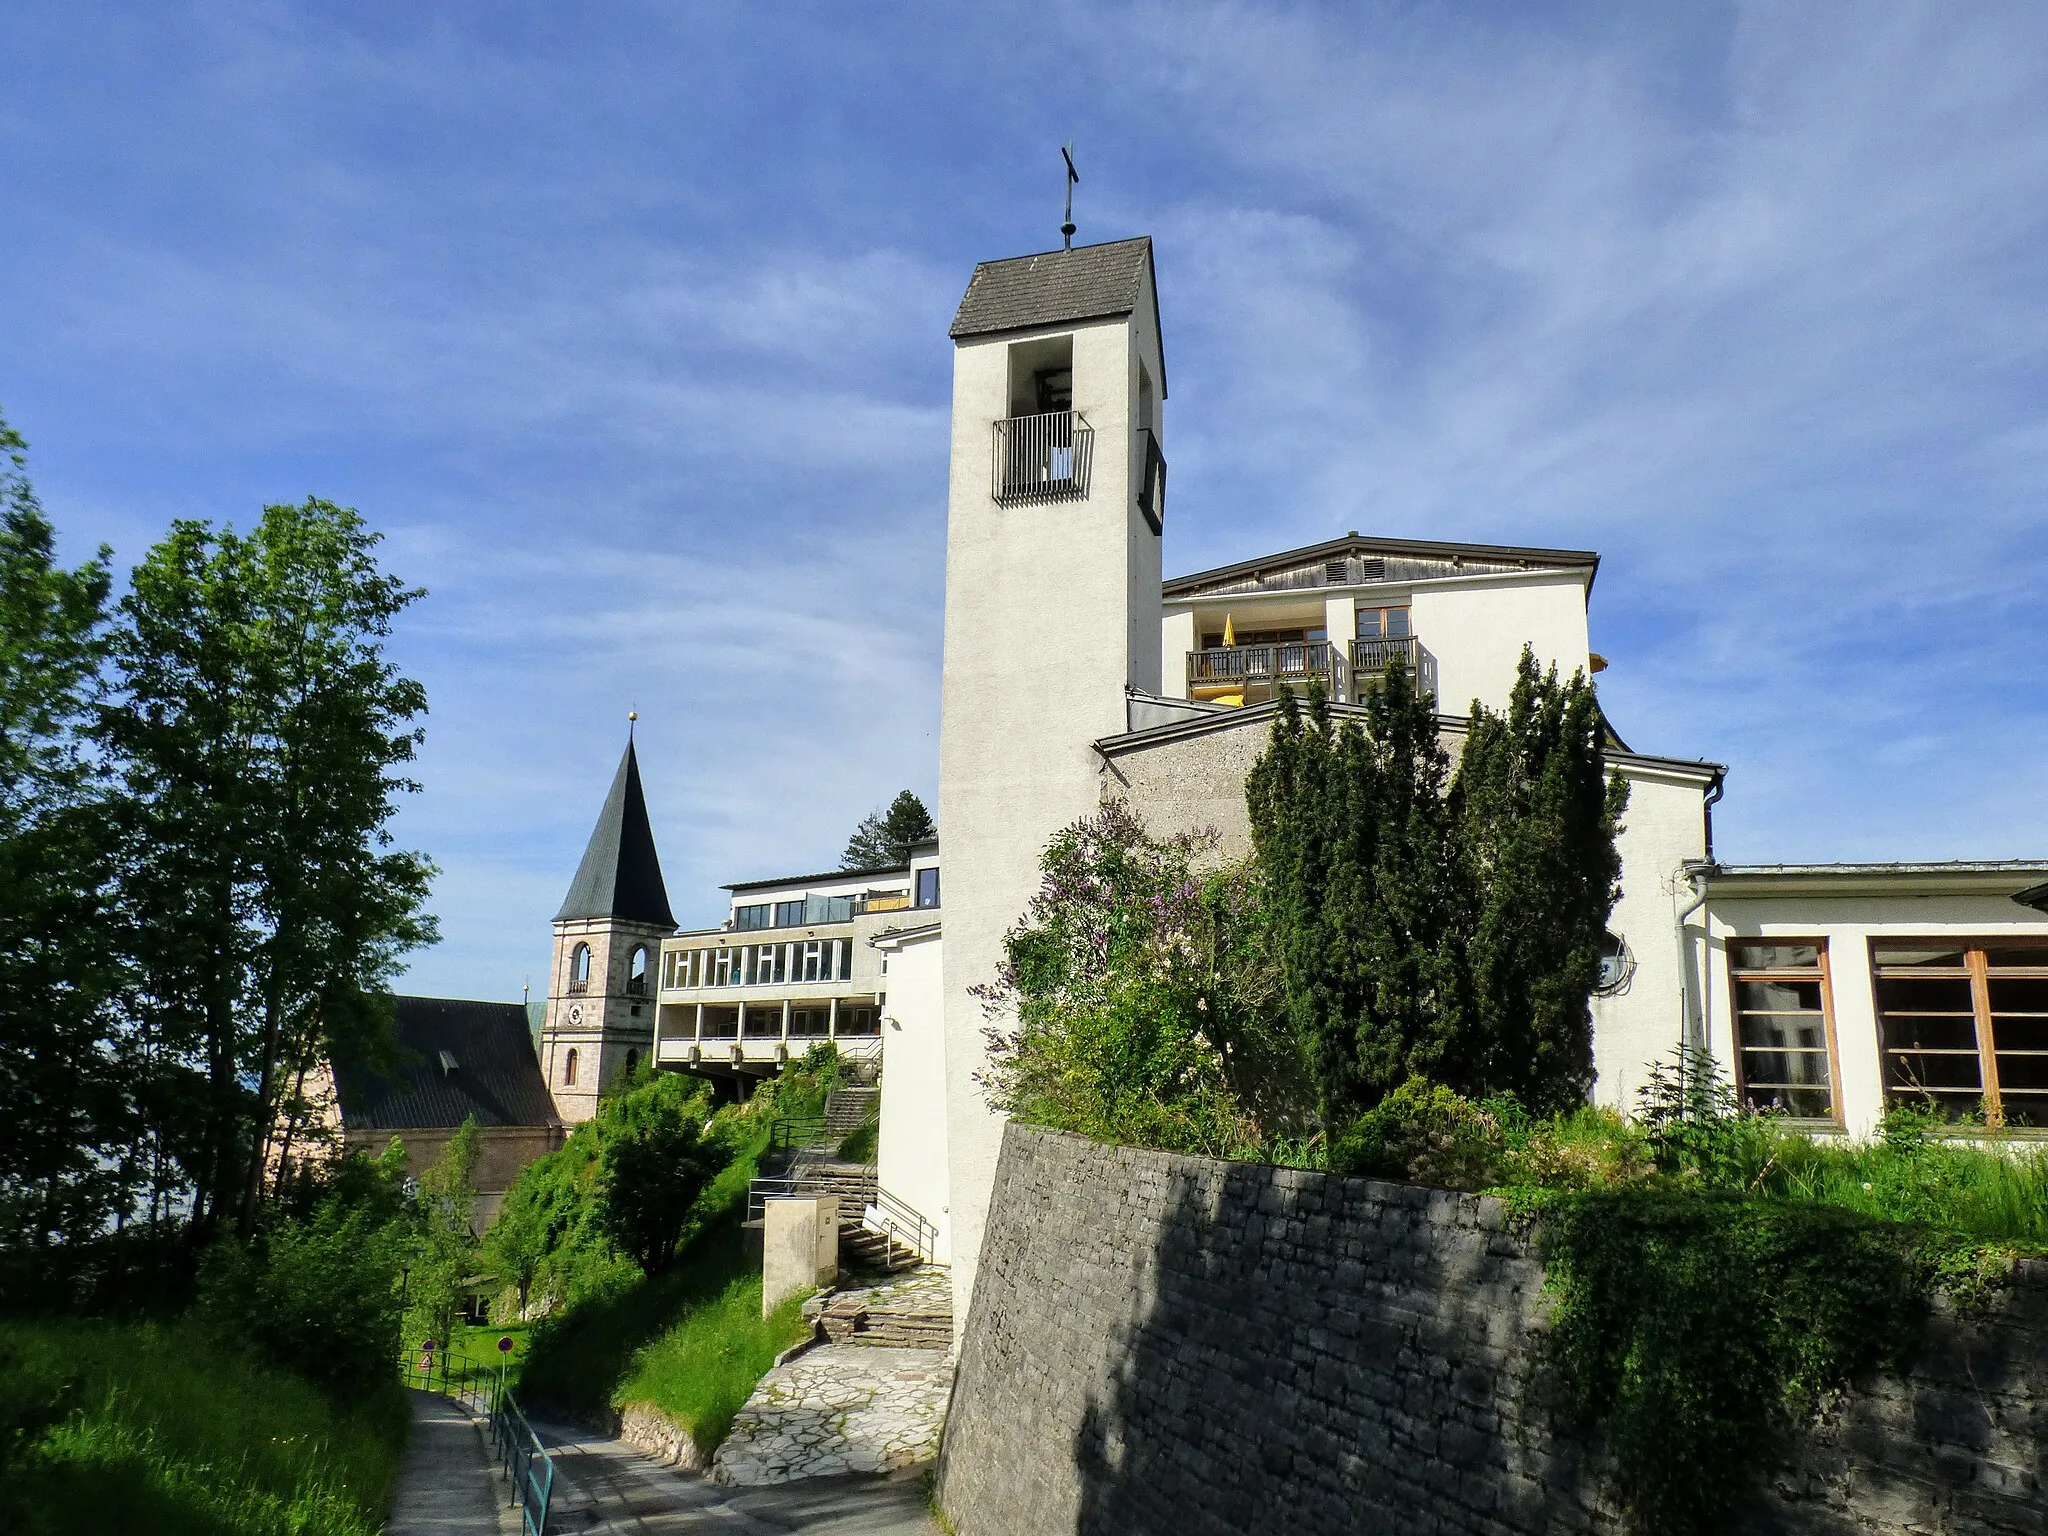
[{"x": 620, "y": 875}]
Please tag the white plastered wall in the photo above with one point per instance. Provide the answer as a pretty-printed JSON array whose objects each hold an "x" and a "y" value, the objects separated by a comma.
[
  {"x": 1052, "y": 611},
  {"x": 1663, "y": 829},
  {"x": 1847, "y": 924},
  {"x": 1476, "y": 627},
  {"x": 911, "y": 1158}
]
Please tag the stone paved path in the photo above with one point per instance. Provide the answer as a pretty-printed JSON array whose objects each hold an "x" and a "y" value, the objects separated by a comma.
[
  {"x": 836, "y": 1409},
  {"x": 447, "y": 1485},
  {"x": 605, "y": 1486}
]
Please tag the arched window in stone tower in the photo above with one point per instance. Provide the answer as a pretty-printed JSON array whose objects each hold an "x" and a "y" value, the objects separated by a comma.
[
  {"x": 579, "y": 967},
  {"x": 632, "y": 1061},
  {"x": 569, "y": 1068},
  {"x": 636, "y": 971}
]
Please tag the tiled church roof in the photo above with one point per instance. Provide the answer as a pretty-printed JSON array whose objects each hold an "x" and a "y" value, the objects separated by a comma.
[
  {"x": 620, "y": 875},
  {"x": 494, "y": 1075},
  {"x": 1090, "y": 282}
]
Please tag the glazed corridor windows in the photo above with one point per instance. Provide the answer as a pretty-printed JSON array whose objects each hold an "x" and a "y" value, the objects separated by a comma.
[
  {"x": 758, "y": 965},
  {"x": 1784, "y": 1027},
  {"x": 1965, "y": 1027}
]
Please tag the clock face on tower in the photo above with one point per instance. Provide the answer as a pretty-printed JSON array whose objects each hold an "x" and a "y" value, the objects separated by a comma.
[{"x": 575, "y": 1013}]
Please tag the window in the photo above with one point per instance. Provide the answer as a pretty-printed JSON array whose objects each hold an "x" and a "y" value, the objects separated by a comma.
[
  {"x": 762, "y": 916},
  {"x": 789, "y": 914},
  {"x": 810, "y": 1023},
  {"x": 1965, "y": 1027},
  {"x": 1383, "y": 623},
  {"x": 813, "y": 962},
  {"x": 860, "y": 1020},
  {"x": 632, "y": 1061},
  {"x": 723, "y": 972},
  {"x": 579, "y": 967},
  {"x": 845, "y": 959},
  {"x": 569, "y": 1068},
  {"x": 928, "y": 887},
  {"x": 636, "y": 972},
  {"x": 1784, "y": 1027}
]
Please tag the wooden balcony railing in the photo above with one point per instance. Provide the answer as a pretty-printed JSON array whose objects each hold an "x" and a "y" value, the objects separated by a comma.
[
  {"x": 1288, "y": 661},
  {"x": 1043, "y": 458},
  {"x": 1369, "y": 659}
]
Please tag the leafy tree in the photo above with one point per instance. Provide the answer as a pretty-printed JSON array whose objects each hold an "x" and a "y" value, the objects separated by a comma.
[
  {"x": 64, "y": 1078},
  {"x": 1136, "y": 1000},
  {"x": 549, "y": 1238},
  {"x": 660, "y": 1150},
  {"x": 1354, "y": 828},
  {"x": 259, "y": 729},
  {"x": 446, "y": 1249},
  {"x": 884, "y": 838}
]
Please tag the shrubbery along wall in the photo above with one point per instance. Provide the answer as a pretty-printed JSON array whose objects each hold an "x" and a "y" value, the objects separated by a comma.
[{"x": 1180, "y": 1346}]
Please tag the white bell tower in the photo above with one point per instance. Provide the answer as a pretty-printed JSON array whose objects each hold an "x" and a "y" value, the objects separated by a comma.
[{"x": 1054, "y": 516}]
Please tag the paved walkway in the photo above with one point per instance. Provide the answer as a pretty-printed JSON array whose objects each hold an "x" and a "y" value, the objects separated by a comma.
[
  {"x": 447, "y": 1485},
  {"x": 839, "y": 1408},
  {"x": 605, "y": 1486}
]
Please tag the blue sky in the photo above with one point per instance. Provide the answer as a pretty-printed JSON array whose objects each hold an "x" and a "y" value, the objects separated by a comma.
[{"x": 626, "y": 324}]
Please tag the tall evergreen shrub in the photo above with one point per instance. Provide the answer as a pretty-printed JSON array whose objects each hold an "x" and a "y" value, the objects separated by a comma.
[{"x": 1437, "y": 925}]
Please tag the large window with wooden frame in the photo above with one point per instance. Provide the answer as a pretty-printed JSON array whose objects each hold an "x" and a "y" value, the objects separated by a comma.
[
  {"x": 1784, "y": 1027},
  {"x": 1965, "y": 1027}
]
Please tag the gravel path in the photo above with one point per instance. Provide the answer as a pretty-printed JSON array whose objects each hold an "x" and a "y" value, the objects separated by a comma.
[
  {"x": 447, "y": 1485},
  {"x": 836, "y": 1409}
]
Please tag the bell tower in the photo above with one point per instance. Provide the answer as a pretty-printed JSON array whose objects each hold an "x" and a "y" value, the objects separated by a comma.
[
  {"x": 1055, "y": 509},
  {"x": 600, "y": 1012}
]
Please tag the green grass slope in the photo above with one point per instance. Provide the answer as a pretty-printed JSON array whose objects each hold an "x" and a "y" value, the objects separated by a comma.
[{"x": 133, "y": 1427}]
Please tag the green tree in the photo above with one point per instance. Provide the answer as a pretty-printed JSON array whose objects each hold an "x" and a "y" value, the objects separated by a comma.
[
  {"x": 1538, "y": 821},
  {"x": 446, "y": 1252},
  {"x": 659, "y": 1150},
  {"x": 260, "y": 730},
  {"x": 884, "y": 838},
  {"x": 66, "y": 1136},
  {"x": 1355, "y": 830},
  {"x": 1137, "y": 1000}
]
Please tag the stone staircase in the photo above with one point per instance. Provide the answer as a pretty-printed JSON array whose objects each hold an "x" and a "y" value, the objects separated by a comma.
[
  {"x": 913, "y": 1310},
  {"x": 846, "y": 1110}
]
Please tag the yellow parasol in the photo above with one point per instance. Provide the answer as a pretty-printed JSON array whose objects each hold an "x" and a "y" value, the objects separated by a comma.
[{"x": 1229, "y": 634}]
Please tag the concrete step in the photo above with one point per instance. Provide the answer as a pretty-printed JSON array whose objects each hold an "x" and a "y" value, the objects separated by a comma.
[
  {"x": 913, "y": 1311},
  {"x": 846, "y": 1109}
]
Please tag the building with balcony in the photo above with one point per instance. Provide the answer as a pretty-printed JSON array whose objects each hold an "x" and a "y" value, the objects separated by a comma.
[{"x": 795, "y": 962}]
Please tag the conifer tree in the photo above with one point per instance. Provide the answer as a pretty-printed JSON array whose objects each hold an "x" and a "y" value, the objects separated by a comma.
[
  {"x": 884, "y": 839},
  {"x": 1538, "y": 818}
]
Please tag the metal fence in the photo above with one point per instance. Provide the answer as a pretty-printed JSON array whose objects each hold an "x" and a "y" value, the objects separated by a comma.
[
  {"x": 1043, "y": 458},
  {"x": 480, "y": 1386}
]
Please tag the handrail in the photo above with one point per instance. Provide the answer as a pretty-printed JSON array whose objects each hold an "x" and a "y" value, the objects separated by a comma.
[
  {"x": 899, "y": 1217},
  {"x": 527, "y": 1463},
  {"x": 783, "y": 1133}
]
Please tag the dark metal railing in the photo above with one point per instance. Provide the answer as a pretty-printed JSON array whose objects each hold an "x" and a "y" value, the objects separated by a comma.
[
  {"x": 1285, "y": 661},
  {"x": 1043, "y": 458},
  {"x": 795, "y": 1131}
]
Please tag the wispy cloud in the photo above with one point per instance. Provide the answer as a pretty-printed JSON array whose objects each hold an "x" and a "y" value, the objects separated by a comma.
[{"x": 631, "y": 336}]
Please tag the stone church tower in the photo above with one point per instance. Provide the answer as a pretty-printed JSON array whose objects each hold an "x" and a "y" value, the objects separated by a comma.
[{"x": 601, "y": 988}]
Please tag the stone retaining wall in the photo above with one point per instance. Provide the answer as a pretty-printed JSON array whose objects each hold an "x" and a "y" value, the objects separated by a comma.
[{"x": 1173, "y": 1346}]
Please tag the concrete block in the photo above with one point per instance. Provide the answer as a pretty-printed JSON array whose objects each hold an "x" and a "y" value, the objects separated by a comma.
[{"x": 799, "y": 1246}]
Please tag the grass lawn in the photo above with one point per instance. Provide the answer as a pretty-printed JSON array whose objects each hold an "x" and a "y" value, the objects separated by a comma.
[
  {"x": 693, "y": 1342},
  {"x": 701, "y": 1371},
  {"x": 133, "y": 1427}
]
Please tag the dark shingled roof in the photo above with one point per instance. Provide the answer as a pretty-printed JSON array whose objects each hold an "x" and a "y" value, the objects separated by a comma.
[
  {"x": 1090, "y": 282},
  {"x": 496, "y": 1076},
  {"x": 620, "y": 875}
]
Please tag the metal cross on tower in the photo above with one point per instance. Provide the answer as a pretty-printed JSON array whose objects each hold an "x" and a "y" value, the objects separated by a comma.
[{"x": 1067, "y": 224}]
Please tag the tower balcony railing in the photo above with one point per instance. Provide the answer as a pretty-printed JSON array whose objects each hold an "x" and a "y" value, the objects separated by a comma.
[
  {"x": 1043, "y": 458},
  {"x": 1225, "y": 667}
]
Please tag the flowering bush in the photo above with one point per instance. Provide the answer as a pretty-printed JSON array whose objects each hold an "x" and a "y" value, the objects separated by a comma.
[{"x": 1138, "y": 1001}]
